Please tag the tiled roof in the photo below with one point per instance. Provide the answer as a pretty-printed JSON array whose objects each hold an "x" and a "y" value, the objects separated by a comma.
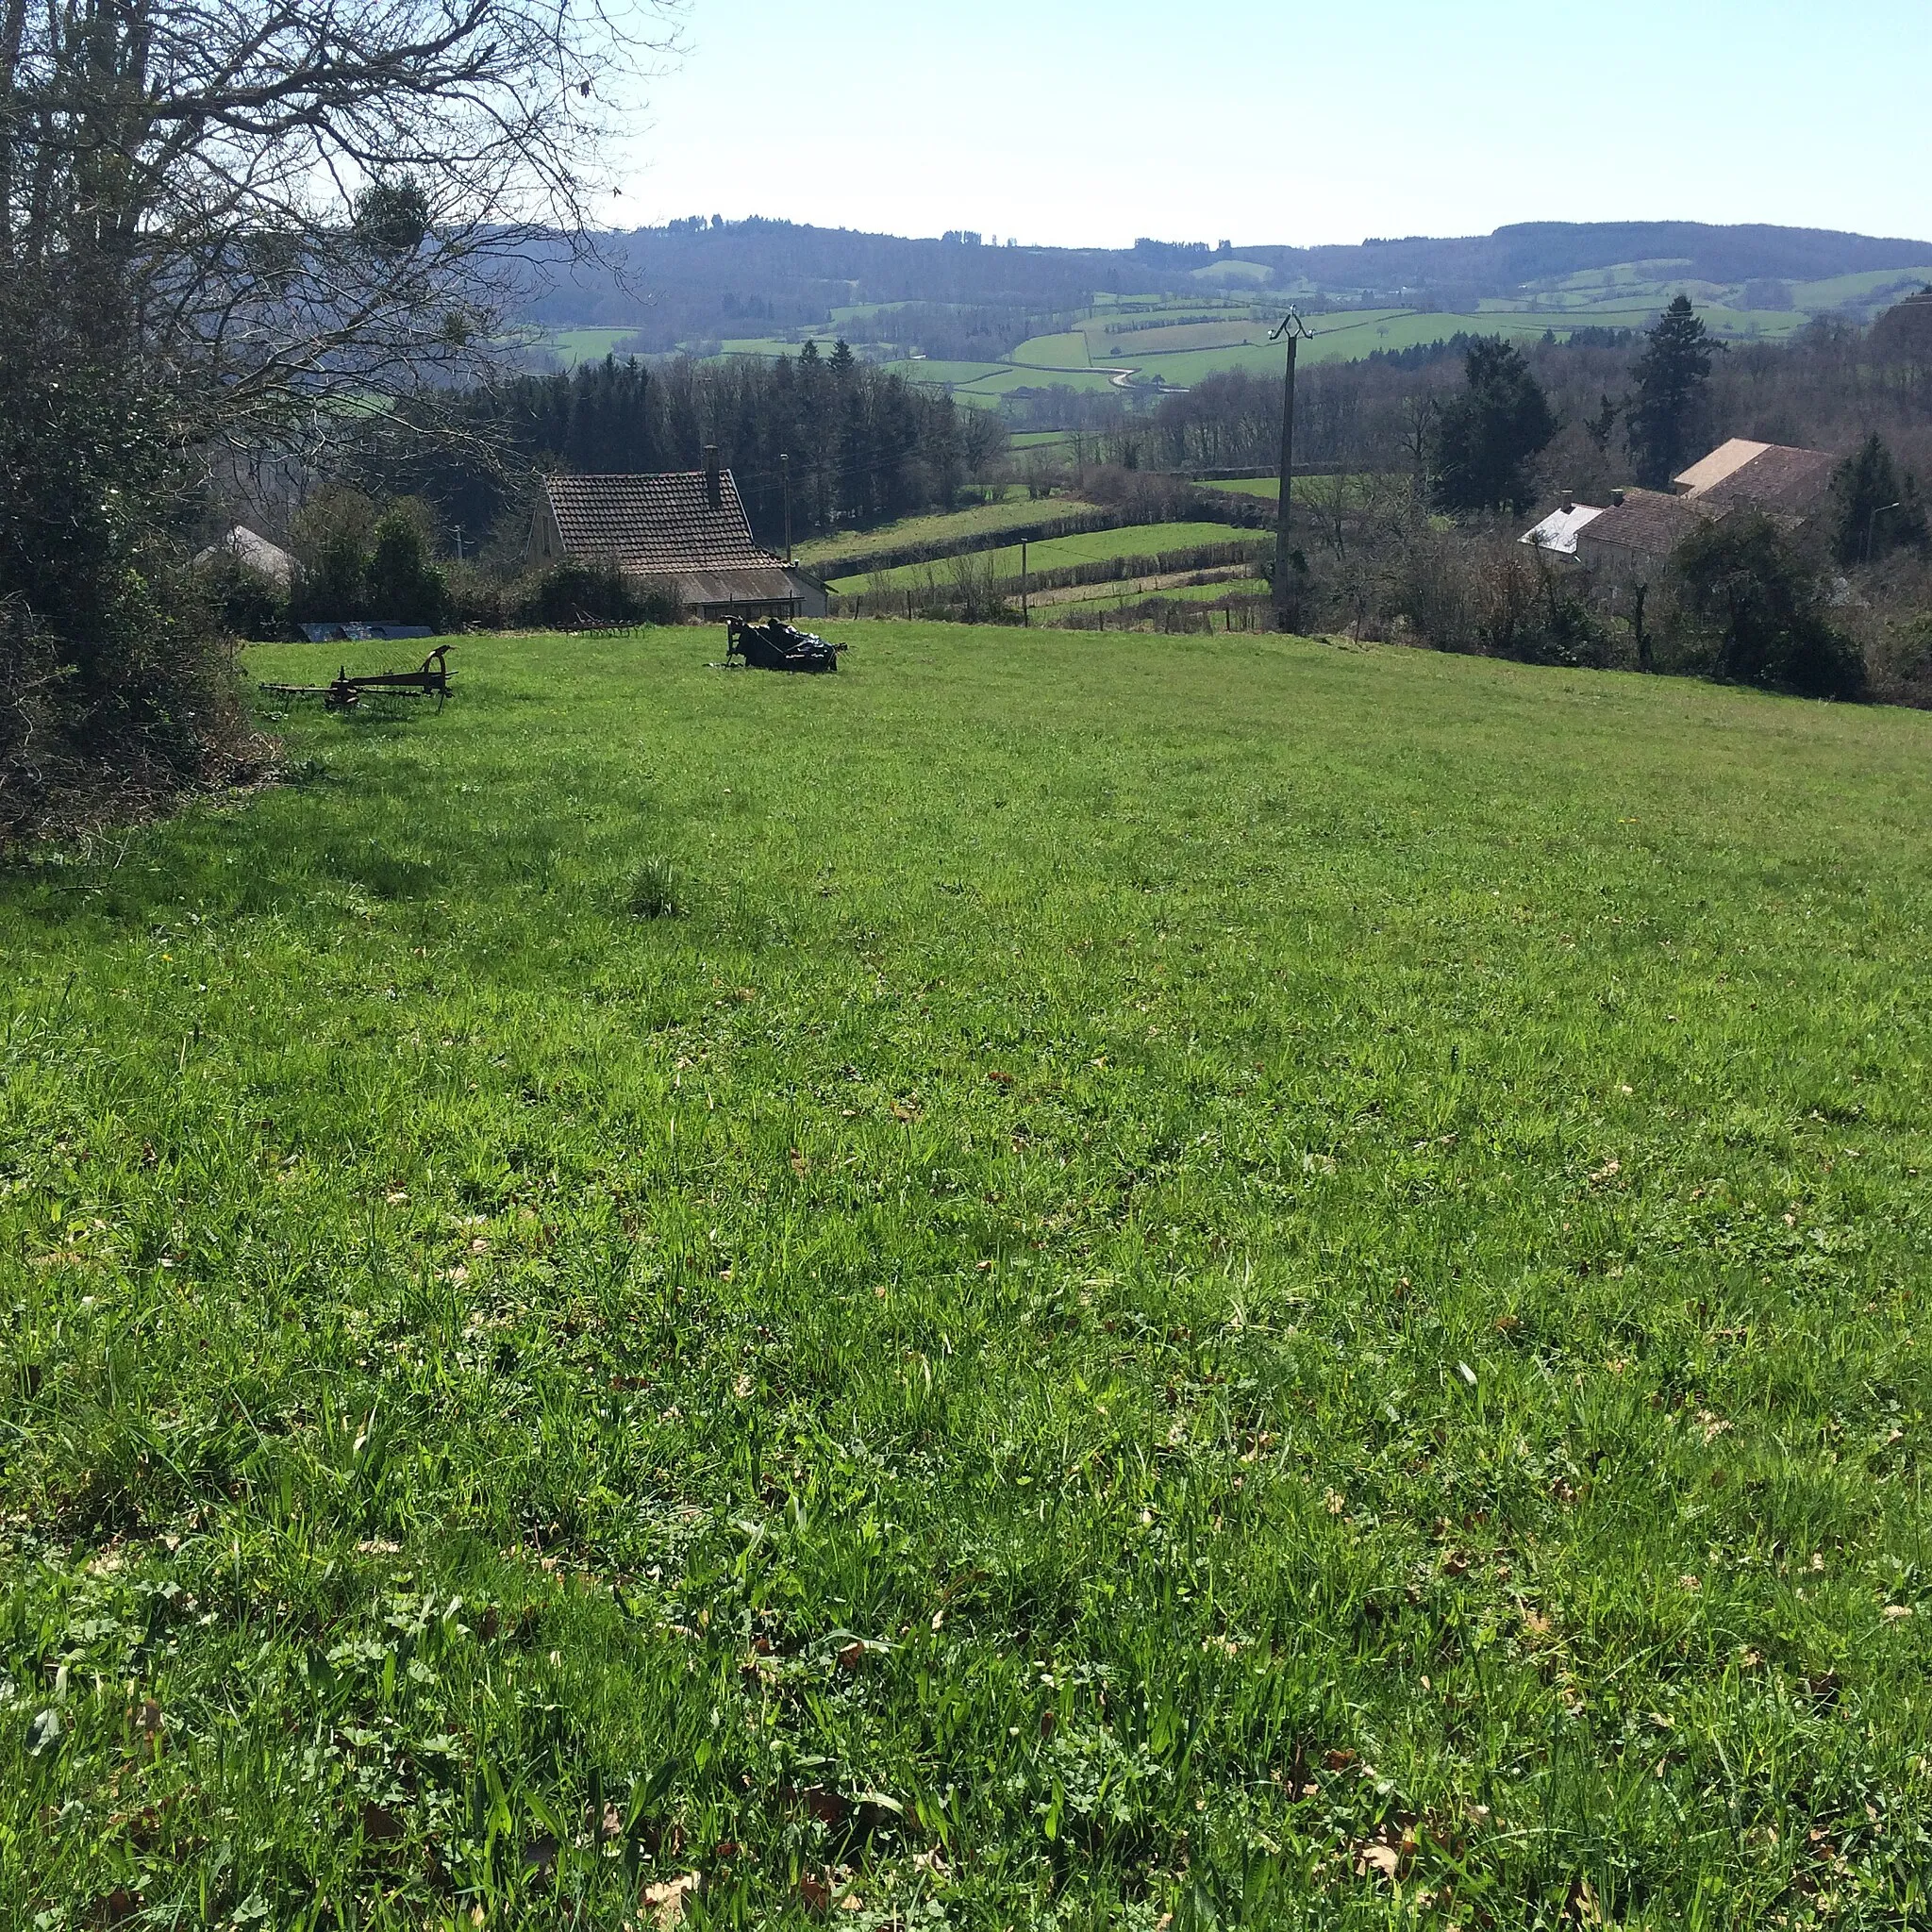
[
  {"x": 1790, "y": 482},
  {"x": 696, "y": 590},
  {"x": 660, "y": 525},
  {"x": 1647, "y": 522}
]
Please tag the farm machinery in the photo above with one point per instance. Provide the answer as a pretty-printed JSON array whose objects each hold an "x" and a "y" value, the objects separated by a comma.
[
  {"x": 772, "y": 645},
  {"x": 346, "y": 692}
]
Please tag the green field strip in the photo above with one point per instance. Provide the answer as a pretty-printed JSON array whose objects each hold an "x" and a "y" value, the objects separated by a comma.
[
  {"x": 1058, "y": 553},
  {"x": 1067, "y": 351},
  {"x": 983, "y": 519}
]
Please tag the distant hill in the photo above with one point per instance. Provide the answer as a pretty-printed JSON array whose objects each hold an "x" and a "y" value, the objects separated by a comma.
[
  {"x": 1515, "y": 258},
  {"x": 695, "y": 283}
]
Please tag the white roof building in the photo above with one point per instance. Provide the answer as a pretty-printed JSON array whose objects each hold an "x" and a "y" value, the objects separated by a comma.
[
  {"x": 247, "y": 546},
  {"x": 1558, "y": 532}
]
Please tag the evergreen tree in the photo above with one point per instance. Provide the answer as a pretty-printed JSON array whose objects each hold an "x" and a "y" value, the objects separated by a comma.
[
  {"x": 1670, "y": 376},
  {"x": 1878, "y": 512},
  {"x": 863, "y": 444},
  {"x": 1484, "y": 437}
]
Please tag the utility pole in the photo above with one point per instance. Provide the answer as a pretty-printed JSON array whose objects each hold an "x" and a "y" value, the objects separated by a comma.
[
  {"x": 785, "y": 486},
  {"x": 1294, "y": 328},
  {"x": 1025, "y": 609},
  {"x": 1872, "y": 526}
]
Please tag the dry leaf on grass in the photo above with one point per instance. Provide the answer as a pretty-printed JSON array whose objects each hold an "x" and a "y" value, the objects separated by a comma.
[
  {"x": 1384, "y": 1860},
  {"x": 666, "y": 1901}
]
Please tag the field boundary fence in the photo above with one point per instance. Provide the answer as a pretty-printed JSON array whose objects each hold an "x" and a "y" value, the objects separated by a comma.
[
  {"x": 935, "y": 549},
  {"x": 978, "y": 590}
]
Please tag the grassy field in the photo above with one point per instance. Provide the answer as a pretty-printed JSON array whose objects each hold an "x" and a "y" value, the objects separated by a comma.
[
  {"x": 1056, "y": 553},
  {"x": 1212, "y": 1276},
  {"x": 1068, "y": 351},
  {"x": 944, "y": 526},
  {"x": 574, "y": 345}
]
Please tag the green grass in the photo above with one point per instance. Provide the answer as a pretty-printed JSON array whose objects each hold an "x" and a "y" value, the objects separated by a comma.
[
  {"x": 571, "y": 346},
  {"x": 1121, "y": 593},
  {"x": 1197, "y": 1266},
  {"x": 1058, "y": 553},
  {"x": 1067, "y": 352},
  {"x": 1883, "y": 286},
  {"x": 946, "y": 526},
  {"x": 954, "y": 374}
]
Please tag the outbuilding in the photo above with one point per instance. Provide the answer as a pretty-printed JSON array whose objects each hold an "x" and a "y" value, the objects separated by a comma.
[{"x": 683, "y": 533}]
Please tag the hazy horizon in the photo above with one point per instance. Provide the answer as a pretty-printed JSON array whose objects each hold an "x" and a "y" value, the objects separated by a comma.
[{"x": 1094, "y": 126}]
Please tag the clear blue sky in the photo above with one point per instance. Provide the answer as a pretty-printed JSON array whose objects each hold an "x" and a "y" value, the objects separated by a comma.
[{"x": 1266, "y": 121}]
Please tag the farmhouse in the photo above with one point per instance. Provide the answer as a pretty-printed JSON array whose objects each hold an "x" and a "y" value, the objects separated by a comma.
[
  {"x": 684, "y": 533},
  {"x": 1631, "y": 539},
  {"x": 1760, "y": 475}
]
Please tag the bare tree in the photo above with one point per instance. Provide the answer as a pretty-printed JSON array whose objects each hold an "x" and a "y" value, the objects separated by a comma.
[
  {"x": 277, "y": 204},
  {"x": 235, "y": 225},
  {"x": 1419, "y": 413}
]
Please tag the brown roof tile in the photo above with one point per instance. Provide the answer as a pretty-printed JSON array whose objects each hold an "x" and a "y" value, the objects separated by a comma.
[
  {"x": 1647, "y": 522},
  {"x": 1789, "y": 482},
  {"x": 660, "y": 525}
]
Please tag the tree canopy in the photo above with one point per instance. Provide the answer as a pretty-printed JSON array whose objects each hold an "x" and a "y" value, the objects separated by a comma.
[
  {"x": 1488, "y": 432},
  {"x": 1877, "y": 509},
  {"x": 1670, "y": 376},
  {"x": 232, "y": 224}
]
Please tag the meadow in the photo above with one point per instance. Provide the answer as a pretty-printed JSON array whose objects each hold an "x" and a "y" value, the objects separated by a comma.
[
  {"x": 1058, "y": 553},
  {"x": 1057, "y": 1281},
  {"x": 990, "y": 520}
]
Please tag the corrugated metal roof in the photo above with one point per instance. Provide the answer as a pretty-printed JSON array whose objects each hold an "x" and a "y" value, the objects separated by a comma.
[
  {"x": 696, "y": 589},
  {"x": 660, "y": 525},
  {"x": 1558, "y": 532}
]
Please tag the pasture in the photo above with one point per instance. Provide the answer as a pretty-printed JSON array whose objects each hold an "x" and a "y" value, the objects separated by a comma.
[
  {"x": 1075, "y": 1282},
  {"x": 989, "y": 519},
  {"x": 1058, "y": 553}
]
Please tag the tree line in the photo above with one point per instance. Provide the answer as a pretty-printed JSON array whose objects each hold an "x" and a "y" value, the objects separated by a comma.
[{"x": 851, "y": 444}]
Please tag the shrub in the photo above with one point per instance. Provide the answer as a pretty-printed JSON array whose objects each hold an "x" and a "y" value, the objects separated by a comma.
[
  {"x": 248, "y": 604},
  {"x": 360, "y": 563},
  {"x": 404, "y": 584},
  {"x": 1760, "y": 604},
  {"x": 115, "y": 684},
  {"x": 573, "y": 596}
]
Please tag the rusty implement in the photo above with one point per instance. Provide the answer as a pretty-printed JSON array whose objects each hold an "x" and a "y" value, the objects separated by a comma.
[
  {"x": 775, "y": 645},
  {"x": 346, "y": 692}
]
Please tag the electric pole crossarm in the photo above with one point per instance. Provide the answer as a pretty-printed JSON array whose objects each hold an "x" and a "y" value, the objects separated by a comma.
[{"x": 1295, "y": 330}]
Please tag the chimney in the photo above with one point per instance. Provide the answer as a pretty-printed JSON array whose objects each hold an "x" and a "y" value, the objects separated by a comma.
[
  {"x": 1616, "y": 499},
  {"x": 714, "y": 487},
  {"x": 1568, "y": 501}
]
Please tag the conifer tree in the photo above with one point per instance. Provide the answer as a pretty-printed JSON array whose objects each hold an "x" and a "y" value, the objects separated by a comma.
[
  {"x": 1485, "y": 436},
  {"x": 1877, "y": 512},
  {"x": 1670, "y": 376}
]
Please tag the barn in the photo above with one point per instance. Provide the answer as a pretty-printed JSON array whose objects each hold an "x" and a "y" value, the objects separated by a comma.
[{"x": 683, "y": 533}]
